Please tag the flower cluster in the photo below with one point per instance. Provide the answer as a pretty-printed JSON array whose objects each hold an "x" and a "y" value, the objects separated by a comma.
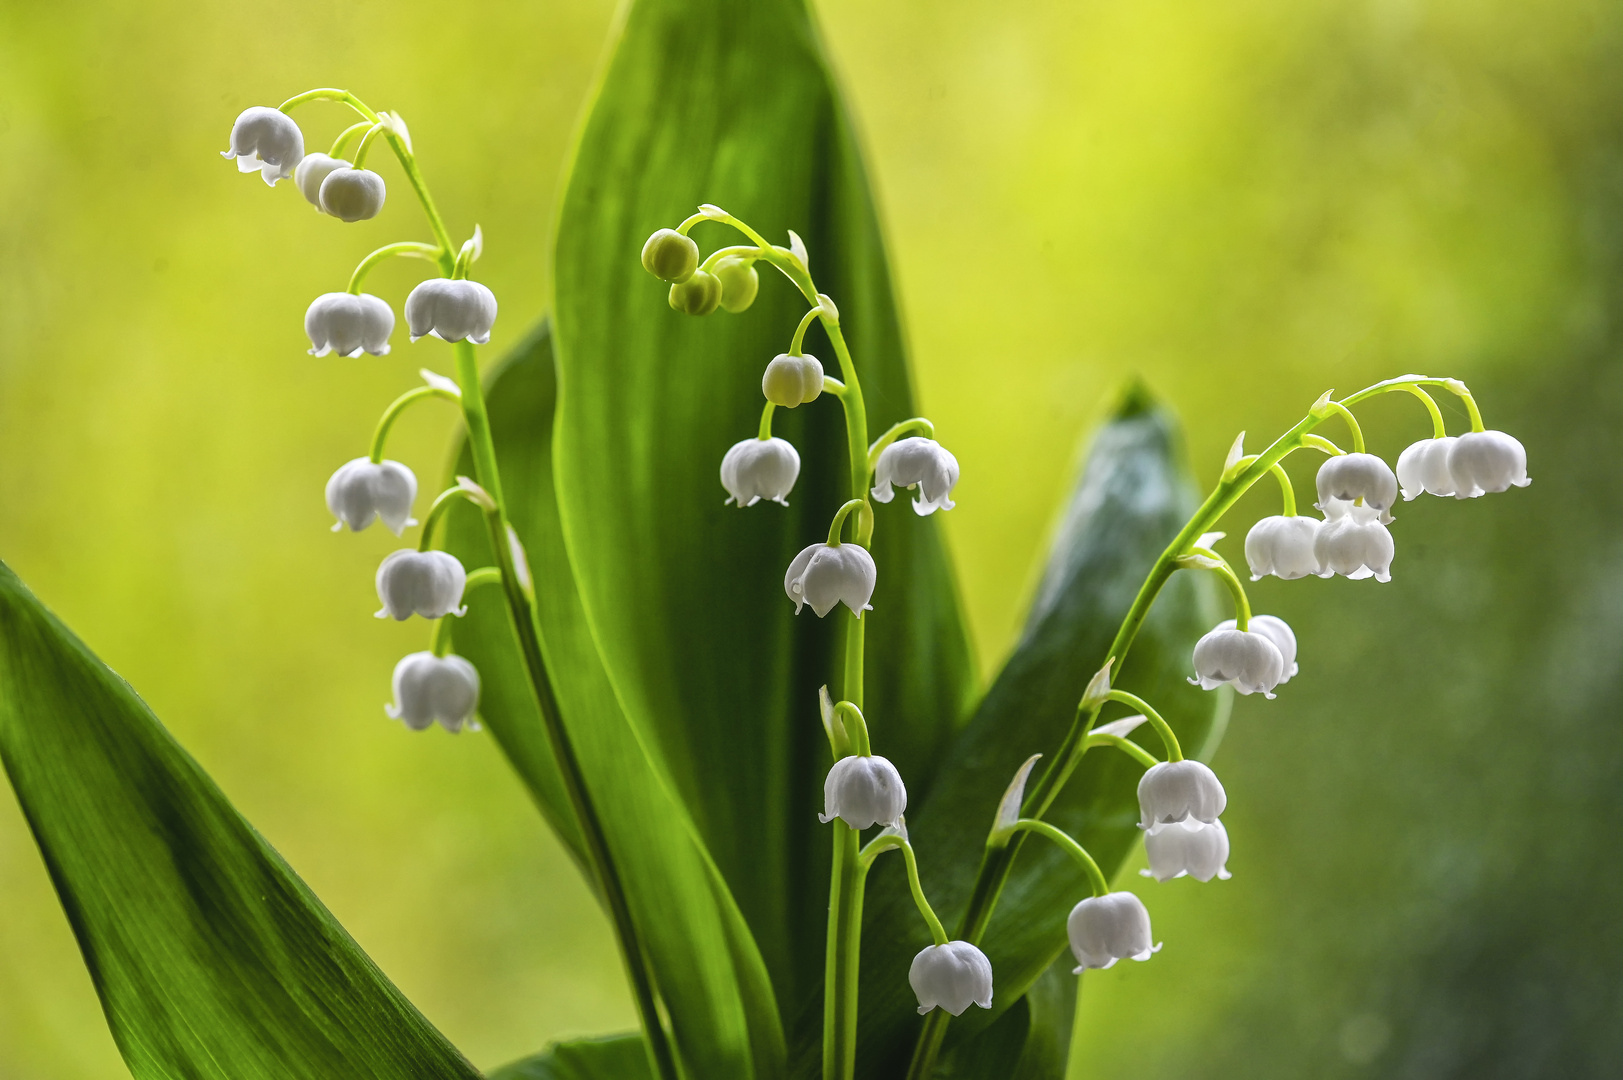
[{"x": 432, "y": 686}]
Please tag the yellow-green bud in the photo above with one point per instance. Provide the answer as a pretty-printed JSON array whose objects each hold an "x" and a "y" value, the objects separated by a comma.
[
  {"x": 670, "y": 256},
  {"x": 698, "y": 295},
  {"x": 739, "y": 283},
  {"x": 792, "y": 380}
]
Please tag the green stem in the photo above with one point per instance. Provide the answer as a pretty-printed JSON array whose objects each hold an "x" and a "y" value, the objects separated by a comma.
[
  {"x": 840, "y": 959},
  {"x": 1096, "y": 877},
  {"x": 365, "y": 148},
  {"x": 409, "y": 248},
  {"x": 856, "y": 728},
  {"x": 1231, "y": 580},
  {"x": 344, "y": 136},
  {"x": 1319, "y": 442},
  {"x": 885, "y": 842},
  {"x": 329, "y": 94},
  {"x": 1162, "y": 728},
  {"x": 381, "y": 433},
  {"x": 1076, "y": 1061},
  {"x": 1458, "y": 389},
  {"x": 840, "y": 515},
  {"x": 1287, "y": 493},
  {"x": 1439, "y": 430},
  {"x": 442, "y": 503},
  {"x": 440, "y": 641},
  {"x": 800, "y": 331},
  {"x": 527, "y": 630},
  {"x": 917, "y": 423},
  {"x": 1126, "y": 746},
  {"x": 1352, "y": 424},
  {"x": 765, "y": 432}
]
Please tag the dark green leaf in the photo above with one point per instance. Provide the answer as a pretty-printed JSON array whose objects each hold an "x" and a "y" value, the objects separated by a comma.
[
  {"x": 1132, "y": 498},
  {"x": 731, "y": 102},
  {"x": 614, "y": 1057},
  {"x": 704, "y": 962},
  {"x": 212, "y": 959}
]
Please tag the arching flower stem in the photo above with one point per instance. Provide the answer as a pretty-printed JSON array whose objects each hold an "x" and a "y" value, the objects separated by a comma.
[
  {"x": 917, "y": 423},
  {"x": 344, "y": 136},
  {"x": 1162, "y": 728},
  {"x": 884, "y": 842},
  {"x": 1287, "y": 494},
  {"x": 1126, "y": 746},
  {"x": 856, "y": 727},
  {"x": 800, "y": 331},
  {"x": 412, "y": 249},
  {"x": 1328, "y": 406},
  {"x": 465, "y": 489},
  {"x": 1206, "y": 559},
  {"x": 765, "y": 432},
  {"x": 380, "y": 434},
  {"x": 1096, "y": 877},
  {"x": 838, "y": 524},
  {"x": 1320, "y": 443},
  {"x": 440, "y": 642},
  {"x": 366, "y": 144},
  {"x": 1439, "y": 429},
  {"x": 1458, "y": 389}
]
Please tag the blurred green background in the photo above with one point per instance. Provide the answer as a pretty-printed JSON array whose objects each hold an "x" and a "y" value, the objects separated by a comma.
[{"x": 1243, "y": 202}]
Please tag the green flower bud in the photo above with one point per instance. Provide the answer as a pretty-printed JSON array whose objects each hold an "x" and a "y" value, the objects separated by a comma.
[
  {"x": 670, "y": 256},
  {"x": 698, "y": 295},
  {"x": 739, "y": 283},
  {"x": 792, "y": 380}
]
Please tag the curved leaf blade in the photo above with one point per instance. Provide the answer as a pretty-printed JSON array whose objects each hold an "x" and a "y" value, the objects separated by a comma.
[
  {"x": 212, "y": 958},
  {"x": 614, "y": 1057}
]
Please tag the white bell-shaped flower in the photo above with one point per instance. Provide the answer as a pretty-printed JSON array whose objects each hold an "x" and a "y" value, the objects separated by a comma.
[
  {"x": 917, "y": 463},
  {"x": 1104, "y": 929},
  {"x": 1278, "y": 631},
  {"x": 1352, "y": 542},
  {"x": 1282, "y": 546},
  {"x": 348, "y": 324},
  {"x": 363, "y": 489},
  {"x": 1176, "y": 791},
  {"x": 266, "y": 140},
  {"x": 426, "y": 583},
  {"x": 1423, "y": 468},
  {"x": 1246, "y": 659},
  {"x": 863, "y": 791},
  {"x": 1487, "y": 461},
  {"x": 451, "y": 310},
  {"x": 312, "y": 171},
  {"x": 757, "y": 469},
  {"x": 429, "y": 688},
  {"x": 822, "y": 576},
  {"x": 1351, "y": 477},
  {"x": 352, "y": 194},
  {"x": 792, "y": 380},
  {"x": 951, "y": 977},
  {"x": 1196, "y": 848}
]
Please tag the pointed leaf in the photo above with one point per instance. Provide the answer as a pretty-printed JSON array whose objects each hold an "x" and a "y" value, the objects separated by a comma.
[
  {"x": 211, "y": 957},
  {"x": 731, "y": 101},
  {"x": 614, "y": 1057}
]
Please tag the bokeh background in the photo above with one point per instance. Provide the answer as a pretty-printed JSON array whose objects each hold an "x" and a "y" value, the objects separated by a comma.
[{"x": 1243, "y": 202}]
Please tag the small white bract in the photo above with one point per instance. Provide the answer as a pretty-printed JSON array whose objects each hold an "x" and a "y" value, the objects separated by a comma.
[
  {"x": 757, "y": 469},
  {"x": 790, "y": 381},
  {"x": 951, "y": 977},
  {"x": 311, "y": 172},
  {"x": 917, "y": 463},
  {"x": 1358, "y": 476},
  {"x": 1423, "y": 468},
  {"x": 1278, "y": 631},
  {"x": 363, "y": 490},
  {"x": 1196, "y": 848},
  {"x": 863, "y": 792},
  {"x": 1177, "y": 790},
  {"x": 1353, "y": 542},
  {"x": 1246, "y": 659},
  {"x": 1282, "y": 546},
  {"x": 352, "y": 194},
  {"x": 1104, "y": 929},
  {"x": 823, "y": 576},
  {"x": 426, "y": 583},
  {"x": 1487, "y": 461},
  {"x": 429, "y": 688},
  {"x": 349, "y": 325},
  {"x": 451, "y": 310},
  {"x": 267, "y": 140}
]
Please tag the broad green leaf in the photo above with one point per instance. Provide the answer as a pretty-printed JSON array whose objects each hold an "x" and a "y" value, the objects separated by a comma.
[
  {"x": 1030, "y": 1040},
  {"x": 1132, "y": 497},
  {"x": 615, "y": 1057},
  {"x": 704, "y": 962},
  {"x": 731, "y": 102},
  {"x": 212, "y": 959}
]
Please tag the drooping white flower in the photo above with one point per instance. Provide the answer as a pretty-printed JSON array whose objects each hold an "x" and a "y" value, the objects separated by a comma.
[
  {"x": 1358, "y": 476},
  {"x": 1282, "y": 546},
  {"x": 1487, "y": 461},
  {"x": 822, "y": 576},
  {"x": 451, "y": 310},
  {"x": 1196, "y": 848},
  {"x": 429, "y": 688},
  {"x": 352, "y": 194},
  {"x": 757, "y": 469},
  {"x": 1423, "y": 467},
  {"x": 952, "y": 977},
  {"x": 792, "y": 380},
  {"x": 426, "y": 583},
  {"x": 917, "y": 463},
  {"x": 312, "y": 171},
  {"x": 1353, "y": 542},
  {"x": 267, "y": 140},
  {"x": 1177, "y": 790},
  {"x": 863, "y": 791},
  {"x": 1247, "y": 659},
  {"x": 1104, "y": 929},
  {"x": 362, "y": 490},
  {"x": 1278, "y": 631},
  {"x": 348, "y": 324}
]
